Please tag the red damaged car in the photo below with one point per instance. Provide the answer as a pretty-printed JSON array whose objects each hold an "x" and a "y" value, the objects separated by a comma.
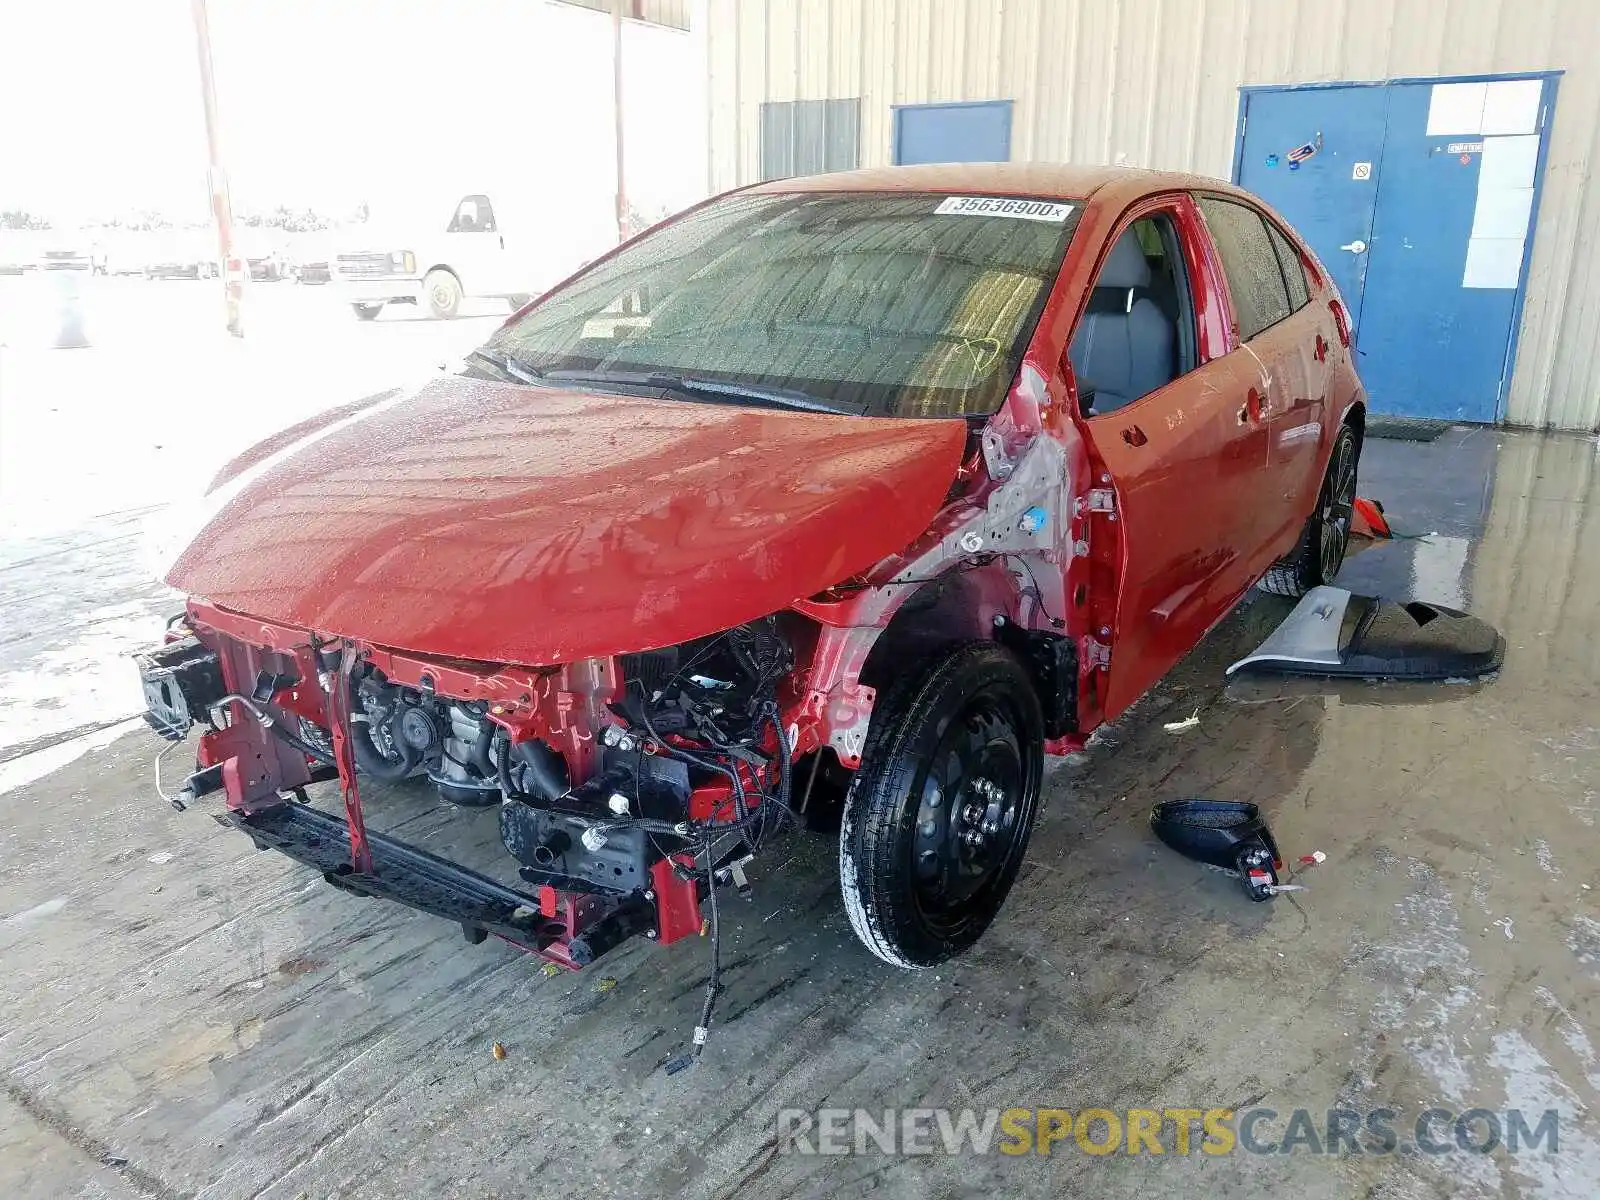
[{"x": 898, "y": 480}]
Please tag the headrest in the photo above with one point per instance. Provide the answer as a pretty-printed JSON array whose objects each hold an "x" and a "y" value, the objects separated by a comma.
[{"x": 1126, "y": 265}]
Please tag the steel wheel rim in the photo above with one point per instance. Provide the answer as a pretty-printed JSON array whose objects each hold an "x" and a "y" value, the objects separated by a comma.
[
  {"x": 970, "y": 812},
  {"x": 1338, "y": 508}
]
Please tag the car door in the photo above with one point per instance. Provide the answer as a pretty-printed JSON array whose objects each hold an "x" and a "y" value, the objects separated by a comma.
[
  {"x": 1185, "y": 458},
  {"x": 1278, "y": 332},
  {"x": 1299, "y": 434},
  {"x": 477, "y": 248}
]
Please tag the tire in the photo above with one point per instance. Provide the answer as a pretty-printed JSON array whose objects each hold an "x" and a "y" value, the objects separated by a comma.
[
  {"x": 1319, "y": 553},
  {"x": 443, "y": 291},
  {"x": 366, "y": 312},
  {"x": 917, "y": 891}
]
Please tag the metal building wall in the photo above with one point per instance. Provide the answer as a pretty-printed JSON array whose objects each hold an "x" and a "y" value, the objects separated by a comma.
[
  {"x": 670, "y": 14},
  {"x": 1154, "y": 83}
]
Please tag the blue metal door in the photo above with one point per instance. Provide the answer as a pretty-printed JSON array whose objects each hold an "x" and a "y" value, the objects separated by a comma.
[
  {"x": 1419, "y": 198},
  {"x": 939, "y": 133},
  {"x": 1324, "y": 194}
]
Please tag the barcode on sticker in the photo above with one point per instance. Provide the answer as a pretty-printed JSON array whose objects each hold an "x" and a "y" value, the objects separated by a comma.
[{"x": 994, "y": 206}]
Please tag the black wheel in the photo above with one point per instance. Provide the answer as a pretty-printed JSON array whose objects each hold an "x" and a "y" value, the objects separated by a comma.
[
  {"x": 938, "y": 816},
  {"x": 443, "y": 291},
  {"x": 367, "y": 312},
  {"x": 1319, "y": 554}
]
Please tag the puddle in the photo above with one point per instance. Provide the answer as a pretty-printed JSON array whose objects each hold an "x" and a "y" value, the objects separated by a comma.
[{"x": 1268, "y": 689}]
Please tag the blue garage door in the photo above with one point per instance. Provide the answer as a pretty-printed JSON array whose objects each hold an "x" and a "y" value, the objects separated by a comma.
[
  {"x": 1419, "y": 198},
  {"x": 941, "y": 133}
]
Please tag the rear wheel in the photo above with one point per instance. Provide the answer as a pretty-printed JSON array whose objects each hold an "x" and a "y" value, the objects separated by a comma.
[
  {"x": 443, "y": 291},
  {"x": 938, "y": 816},
  {"x": 1319, "y": 554}
]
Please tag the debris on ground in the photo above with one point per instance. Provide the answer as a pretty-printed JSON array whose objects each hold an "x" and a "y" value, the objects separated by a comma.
[
  {"x": 1334, "y": 633},
  {"x": 1189, "y": 722},
  {"x": 605, "y": 985},
  {"x": 550, "y": 970},
  {"x": 1368, "y": 520},
  {"x": 1315, "y": 858},
  {"x": 1227, "y": 835},
  {"x": 499, "y": 1051}
]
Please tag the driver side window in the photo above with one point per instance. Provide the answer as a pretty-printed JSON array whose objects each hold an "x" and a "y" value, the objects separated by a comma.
[
  {"x": 473, "y": 215},
  {"x": 1137, "y": 333}
]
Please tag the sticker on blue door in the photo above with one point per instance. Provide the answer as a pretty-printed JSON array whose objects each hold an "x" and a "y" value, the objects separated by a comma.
[{"x": 1420, "y": 201}]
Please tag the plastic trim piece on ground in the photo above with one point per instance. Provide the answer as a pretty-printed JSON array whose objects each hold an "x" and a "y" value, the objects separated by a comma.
[{"x": 1333, "y": 633}]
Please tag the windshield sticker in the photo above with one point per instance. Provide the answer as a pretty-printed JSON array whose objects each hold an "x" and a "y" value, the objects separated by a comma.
[{"x": 994, "y": 206}]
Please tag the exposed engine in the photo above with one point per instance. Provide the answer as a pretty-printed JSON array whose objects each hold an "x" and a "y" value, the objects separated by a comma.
[
  {"x": 704, "y": 712},
  {"x": 689, "y": 715}
]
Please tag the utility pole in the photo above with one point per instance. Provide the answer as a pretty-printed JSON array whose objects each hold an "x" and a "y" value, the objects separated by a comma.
[
  {"x": 616, "y": 92},
  {"x": 221, "y": 206}
]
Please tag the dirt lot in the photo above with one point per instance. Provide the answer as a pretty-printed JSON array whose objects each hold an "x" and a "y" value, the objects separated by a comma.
[{"x": 183, "y": 1016}]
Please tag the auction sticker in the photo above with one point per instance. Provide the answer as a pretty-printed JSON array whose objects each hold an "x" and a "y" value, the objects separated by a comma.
[{"x": 994, "y": 206}]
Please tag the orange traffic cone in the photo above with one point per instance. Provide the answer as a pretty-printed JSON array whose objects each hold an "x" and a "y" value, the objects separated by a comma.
[{"x": 1368, "y": 520}]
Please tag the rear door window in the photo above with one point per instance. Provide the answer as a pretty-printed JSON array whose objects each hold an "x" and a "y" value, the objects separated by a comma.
[
  {"x": 1255, "y": 277},
  {"x": 1294, "y": 271}
]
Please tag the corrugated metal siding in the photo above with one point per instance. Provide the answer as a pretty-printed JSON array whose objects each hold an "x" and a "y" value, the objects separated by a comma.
[
  {"x": 1536, "y": 570},
  {"x": 1155, "y": 83},
  {"x": 809, "y": 137},
  {"x": 672, "y": 14}
]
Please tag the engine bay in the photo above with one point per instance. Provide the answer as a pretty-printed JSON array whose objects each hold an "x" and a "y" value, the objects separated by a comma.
[{"x": 698, "y": 719}]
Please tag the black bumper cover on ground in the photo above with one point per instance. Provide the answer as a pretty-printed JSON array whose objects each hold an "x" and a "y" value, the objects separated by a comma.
[{"x": 1333, "y": 633}]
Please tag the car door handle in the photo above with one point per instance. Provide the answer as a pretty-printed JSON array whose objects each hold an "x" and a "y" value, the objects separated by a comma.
[{"x": 1355, "y": 247}]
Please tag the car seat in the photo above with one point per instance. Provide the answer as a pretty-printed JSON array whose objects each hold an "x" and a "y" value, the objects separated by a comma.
[{"x": 1124, "y": 346}]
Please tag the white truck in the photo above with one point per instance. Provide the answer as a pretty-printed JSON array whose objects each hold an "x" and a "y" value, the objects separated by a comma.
[{"x": 506, "y": 247}]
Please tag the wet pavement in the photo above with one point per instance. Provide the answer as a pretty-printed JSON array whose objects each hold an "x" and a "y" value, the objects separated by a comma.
[
  {"x": 96, "y": 445},
  {"x": 212, "y": 1021}
]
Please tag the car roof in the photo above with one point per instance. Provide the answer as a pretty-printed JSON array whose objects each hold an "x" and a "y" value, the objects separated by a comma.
[{"x": 1066, "y": 181}]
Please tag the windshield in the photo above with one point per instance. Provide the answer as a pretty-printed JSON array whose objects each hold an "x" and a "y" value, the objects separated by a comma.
[{"x": 882, "y": 304}]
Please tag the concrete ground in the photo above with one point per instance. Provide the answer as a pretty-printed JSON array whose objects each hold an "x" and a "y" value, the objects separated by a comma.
[{"x": 183, "y": 1016}]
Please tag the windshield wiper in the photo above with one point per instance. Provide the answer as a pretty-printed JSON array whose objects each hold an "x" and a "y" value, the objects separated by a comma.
[
  {"x": 510, "y": 367},
  {"x": 777, "y": 397},
  {"x": 711, "y": 389}
]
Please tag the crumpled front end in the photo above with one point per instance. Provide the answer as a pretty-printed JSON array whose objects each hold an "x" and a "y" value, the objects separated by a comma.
[{"x": 619, "y": 781}]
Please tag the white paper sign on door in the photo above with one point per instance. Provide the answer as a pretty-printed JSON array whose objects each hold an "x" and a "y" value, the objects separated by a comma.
[{"x": 1492, "y": 263}]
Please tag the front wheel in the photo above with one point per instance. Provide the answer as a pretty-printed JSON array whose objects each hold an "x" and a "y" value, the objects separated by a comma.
[
  {"x": 938, "y": 816},
  {"x": 443, "y": 291},
  {"x": 1319, "y": 553}
]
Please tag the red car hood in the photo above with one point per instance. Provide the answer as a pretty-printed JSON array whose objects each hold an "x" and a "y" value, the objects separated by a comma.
[{"x": 509, "y": 524}]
